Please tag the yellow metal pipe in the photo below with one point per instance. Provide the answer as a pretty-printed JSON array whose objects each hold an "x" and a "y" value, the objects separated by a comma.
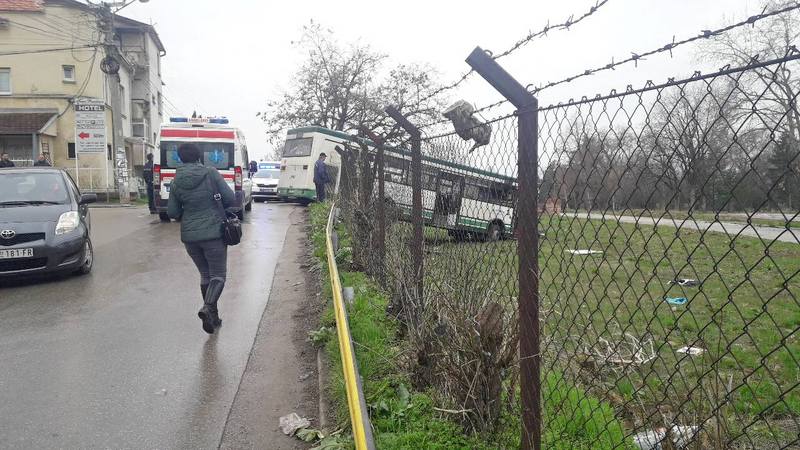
[{"x": 354, "y": 400}]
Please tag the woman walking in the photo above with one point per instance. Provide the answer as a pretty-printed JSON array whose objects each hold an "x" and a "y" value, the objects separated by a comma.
[{"x": 194, "y": 198}]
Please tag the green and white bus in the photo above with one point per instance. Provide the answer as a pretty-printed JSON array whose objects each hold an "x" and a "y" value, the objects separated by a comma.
[{"x": 461, "y": 199}]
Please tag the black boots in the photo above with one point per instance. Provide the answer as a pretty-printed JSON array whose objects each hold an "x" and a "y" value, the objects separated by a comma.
[{"x": 209, "y": 313}]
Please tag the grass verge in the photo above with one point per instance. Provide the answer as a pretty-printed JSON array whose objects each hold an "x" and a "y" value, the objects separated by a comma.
[{"x": 403, "y": 419}]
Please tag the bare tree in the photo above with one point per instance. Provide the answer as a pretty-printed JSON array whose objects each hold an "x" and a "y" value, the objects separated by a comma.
[
  {"x": 345, "y": 86},
  {"x": 777, "y": 89},
  {"x": 692, "y": 133}
]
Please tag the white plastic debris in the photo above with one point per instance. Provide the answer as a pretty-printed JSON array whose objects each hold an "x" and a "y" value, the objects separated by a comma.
[
  {"x": 292, "y": 422},
  {"x": 685, "y": 282},
  {"x": 693, "y": 351},
  {"x": 652, "y": 439},
  {"x": 584, "y": 252},
  {"x": 349, "y": 294}
]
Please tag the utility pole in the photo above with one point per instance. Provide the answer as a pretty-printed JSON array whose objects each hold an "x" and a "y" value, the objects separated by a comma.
[{"x": 110, "y": 66}]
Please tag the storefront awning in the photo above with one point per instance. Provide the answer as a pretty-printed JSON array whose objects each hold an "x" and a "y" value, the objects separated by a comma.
[{"x": 25, "y": 122}]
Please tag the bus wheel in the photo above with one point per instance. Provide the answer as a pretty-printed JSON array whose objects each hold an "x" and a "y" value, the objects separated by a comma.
[
  {"x": 458, "y": 235},
  {"x": 163, "y": 216},
  {"x": 494, "y": 232}
]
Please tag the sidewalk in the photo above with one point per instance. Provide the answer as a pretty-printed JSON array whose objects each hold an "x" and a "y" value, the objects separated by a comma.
[{"x": 281, "y": 374}]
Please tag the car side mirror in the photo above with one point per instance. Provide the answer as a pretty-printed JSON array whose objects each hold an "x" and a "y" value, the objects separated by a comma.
[{"x": 87, "y": 198}]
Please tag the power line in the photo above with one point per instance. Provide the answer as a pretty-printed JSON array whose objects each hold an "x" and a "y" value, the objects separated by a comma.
[
  {"x": 47, "y": 50},
  {"x": 85, "y": 84},
  {"x": 565, "y": 25},
  {"x": 60, "y": 29},
  {"x": 40, "y": 31}
]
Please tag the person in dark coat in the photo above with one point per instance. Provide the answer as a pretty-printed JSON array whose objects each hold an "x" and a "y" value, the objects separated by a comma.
[
  {"x": 253, "y": 168},
  {"x": 321, "y": 177},
  {"x": 195, "y": 197},
  {"x": 5, "y": 161},
  {"x": 42, "y": 161},
  {"x": 147, "y": 174}
]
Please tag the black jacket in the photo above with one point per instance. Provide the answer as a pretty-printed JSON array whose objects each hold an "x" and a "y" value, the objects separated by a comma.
[
  {"x": 41, "y": 163},
  {"x": 6, "y": 163},
  {"x": 147, "y": 172}
]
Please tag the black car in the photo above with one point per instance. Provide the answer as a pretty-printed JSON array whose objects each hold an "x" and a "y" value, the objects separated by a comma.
[{"x": 44, "y": 223}]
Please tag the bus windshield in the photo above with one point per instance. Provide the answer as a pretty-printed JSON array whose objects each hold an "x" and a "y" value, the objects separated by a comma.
[
  {"x": 297, "y": 147},
  {"x": 218, "y": 155}
]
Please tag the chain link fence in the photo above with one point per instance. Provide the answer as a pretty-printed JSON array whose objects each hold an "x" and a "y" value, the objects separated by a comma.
[{"x": 667, "y": 258}]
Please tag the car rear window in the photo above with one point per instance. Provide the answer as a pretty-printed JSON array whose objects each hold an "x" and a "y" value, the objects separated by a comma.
[
  {"x": 36, "y": 187},
  {"x": 218, "y": 155}
]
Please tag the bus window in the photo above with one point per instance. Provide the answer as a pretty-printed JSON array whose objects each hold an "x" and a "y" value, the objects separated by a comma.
[
  {"x": 297, "y": 148},
  {"x": 395, "y": 170}
]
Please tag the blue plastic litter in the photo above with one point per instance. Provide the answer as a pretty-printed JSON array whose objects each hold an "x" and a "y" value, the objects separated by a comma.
[{"x": 677, "y": 300}]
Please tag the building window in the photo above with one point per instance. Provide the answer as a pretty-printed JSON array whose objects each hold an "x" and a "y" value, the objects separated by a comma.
[
  {"x": 69, "y": 74},
  {"x": 5, "y": 81},
  {"x": 160, "y": 104},
  {"x": 123, "y": 102}
]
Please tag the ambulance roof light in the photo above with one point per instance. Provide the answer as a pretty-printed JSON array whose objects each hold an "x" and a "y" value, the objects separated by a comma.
[{"x": 216, "y": 120}]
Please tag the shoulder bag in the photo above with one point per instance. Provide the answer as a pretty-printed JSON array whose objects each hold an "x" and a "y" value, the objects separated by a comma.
[{"x": 231, "y": 226}]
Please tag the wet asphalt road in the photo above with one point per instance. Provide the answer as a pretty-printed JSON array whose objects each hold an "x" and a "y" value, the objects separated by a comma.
[{"x": 117, "y": 359}]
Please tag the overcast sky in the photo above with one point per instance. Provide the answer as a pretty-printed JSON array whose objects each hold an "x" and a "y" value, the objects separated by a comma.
[{"x": 227, "y": 57}]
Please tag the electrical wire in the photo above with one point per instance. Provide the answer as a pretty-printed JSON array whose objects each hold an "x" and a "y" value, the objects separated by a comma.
[{"x": 47, "y": 50}]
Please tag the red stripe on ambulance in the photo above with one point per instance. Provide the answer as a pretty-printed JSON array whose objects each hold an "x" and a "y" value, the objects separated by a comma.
[{"x": 190, "y": 133}]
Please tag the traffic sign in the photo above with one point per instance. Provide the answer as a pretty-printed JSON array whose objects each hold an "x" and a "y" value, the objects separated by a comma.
[{"x": 90, "y": 126}]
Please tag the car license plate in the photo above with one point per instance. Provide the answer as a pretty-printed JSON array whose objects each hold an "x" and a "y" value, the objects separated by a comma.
[{"x": 16, "y": 253}]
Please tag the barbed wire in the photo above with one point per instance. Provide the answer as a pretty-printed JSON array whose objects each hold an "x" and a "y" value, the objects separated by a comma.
[
  {"x": 571, "y": 20},
  {"x": 636, "y": 57},
  {"x": 792, "y": 53}
]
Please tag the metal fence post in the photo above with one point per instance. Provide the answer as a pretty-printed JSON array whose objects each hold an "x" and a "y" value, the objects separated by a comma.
[
  {"x": 416, "y": 199},
  {"x": 528, "y": 240},
  {"x": 380, "y": 238}
]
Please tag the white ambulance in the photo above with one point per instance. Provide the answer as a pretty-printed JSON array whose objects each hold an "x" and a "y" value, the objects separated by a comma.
[{"x": 221, "y": 146}]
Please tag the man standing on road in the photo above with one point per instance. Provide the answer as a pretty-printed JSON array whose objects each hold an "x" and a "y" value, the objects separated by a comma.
[
  {"x": 147, "y": 174},
  {"x": 42, "y": 161},
  {"x": 5, "y": 161},
  {"x": 321, "y": 177}
]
